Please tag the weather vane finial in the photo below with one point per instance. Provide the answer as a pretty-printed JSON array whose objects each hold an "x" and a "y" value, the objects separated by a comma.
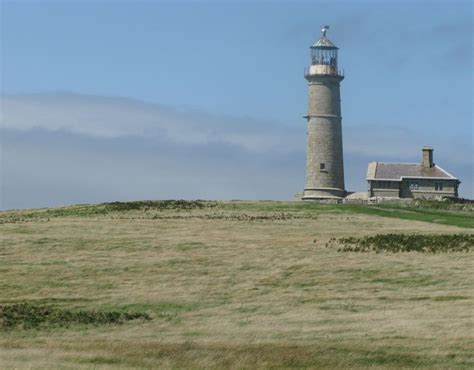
[{"x": 324, "y": 29}]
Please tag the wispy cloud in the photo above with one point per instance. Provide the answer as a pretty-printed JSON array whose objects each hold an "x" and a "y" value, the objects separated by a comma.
[
  {"x": 111, "y": 117},
  {"x": 69, "y": 148}
]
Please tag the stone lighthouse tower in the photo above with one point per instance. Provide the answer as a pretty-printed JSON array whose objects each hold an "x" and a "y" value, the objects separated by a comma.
[{"x": 324, "y": 159}]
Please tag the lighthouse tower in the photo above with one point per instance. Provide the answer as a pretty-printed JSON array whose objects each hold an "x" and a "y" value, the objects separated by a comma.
[{"x": 324, "y": 159}]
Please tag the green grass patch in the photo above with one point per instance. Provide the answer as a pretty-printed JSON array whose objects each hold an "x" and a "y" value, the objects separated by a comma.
[
  {"x": 430, "y": 211},
  {"x": 89, "y": 210},
  {"x": 408, "y": 281},
  {"x": 247, "y": 309},
  {"x": 444, "y": 298},
  {"x": 454, "y": 218},
  {"x": 447, "y": 204},
  {"x": 447, "y": 213},
  {"x": 190, "y": 246},
  {"x": 102, "y": 360}
]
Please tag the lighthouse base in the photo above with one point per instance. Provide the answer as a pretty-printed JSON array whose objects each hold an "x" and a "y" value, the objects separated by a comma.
[{"x": 323, "y": 194}]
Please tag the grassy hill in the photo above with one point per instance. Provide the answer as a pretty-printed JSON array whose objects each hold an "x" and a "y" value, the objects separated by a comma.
[{"x": 175, "y": 284}]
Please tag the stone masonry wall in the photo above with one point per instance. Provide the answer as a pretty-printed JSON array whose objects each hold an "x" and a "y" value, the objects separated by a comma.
[
  {"x": 324, "y": 140},
  {"x": 426, "y": 189}
]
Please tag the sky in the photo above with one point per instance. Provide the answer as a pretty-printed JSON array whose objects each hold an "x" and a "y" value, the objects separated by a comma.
[{"x": 121, "y": 100}]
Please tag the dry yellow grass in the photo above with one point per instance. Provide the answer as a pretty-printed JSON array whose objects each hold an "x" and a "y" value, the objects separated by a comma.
[{"x": 235, "y": 294}]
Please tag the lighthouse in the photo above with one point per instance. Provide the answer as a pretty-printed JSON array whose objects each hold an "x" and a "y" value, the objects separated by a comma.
[{"x": 324, "y": 157}]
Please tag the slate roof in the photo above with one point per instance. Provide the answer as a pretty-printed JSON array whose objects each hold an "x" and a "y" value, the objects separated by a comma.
[
  {"x": 397, "y": 171},
  {"x": 324, "y": 43}
]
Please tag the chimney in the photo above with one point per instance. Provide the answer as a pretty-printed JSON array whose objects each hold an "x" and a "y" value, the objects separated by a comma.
[{"x": 427, "y": 161}]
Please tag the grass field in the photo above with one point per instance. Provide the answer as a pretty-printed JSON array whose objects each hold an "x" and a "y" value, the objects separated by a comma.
[{"x": 232, "y": 285}]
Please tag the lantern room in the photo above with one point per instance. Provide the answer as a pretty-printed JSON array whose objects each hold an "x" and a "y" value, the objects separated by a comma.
[{"x": 324, "y": 56}]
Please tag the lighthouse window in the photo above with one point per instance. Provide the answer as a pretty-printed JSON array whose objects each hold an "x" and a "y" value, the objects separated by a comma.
[
  {"x": 322, "y": 166},
  {"x": 438, "y": 186}
]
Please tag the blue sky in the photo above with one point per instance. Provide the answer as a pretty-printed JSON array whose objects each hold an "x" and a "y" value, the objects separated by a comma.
[{"x": 230, "y": 75}]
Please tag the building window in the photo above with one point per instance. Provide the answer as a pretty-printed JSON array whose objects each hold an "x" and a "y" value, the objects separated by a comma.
[
  {"x": 413, "y": 185},
  {"x": 384, "y": 184},
  {"x": 322, "y": 167},
  {"x": 438, "y": 186}
]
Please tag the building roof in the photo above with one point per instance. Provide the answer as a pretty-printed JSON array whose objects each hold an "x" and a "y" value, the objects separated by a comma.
[
  {"x": 398, "y": 171},
  {"x": 324, "y": 43}
]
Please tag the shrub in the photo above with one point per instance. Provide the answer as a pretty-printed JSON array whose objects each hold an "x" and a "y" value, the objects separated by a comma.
[
  {"x": 158, "y": 205},
  {"x": 406, "y": 243},
  {"x": 28, "y": 316}
]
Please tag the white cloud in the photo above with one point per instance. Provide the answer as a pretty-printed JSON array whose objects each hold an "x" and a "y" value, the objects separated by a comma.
[
  {"x": 69, "y": 148},
  {"x": 111, "y": 117}
]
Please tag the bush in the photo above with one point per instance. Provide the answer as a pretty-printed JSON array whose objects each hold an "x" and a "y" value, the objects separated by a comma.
[
  {"x": 158, "y": 205},
  {"x": 406, "y": 243},
  {"x": 28, "y": 316}
]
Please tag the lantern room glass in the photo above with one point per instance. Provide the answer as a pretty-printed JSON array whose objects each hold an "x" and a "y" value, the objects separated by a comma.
[{"x": 325, "y": 56}]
